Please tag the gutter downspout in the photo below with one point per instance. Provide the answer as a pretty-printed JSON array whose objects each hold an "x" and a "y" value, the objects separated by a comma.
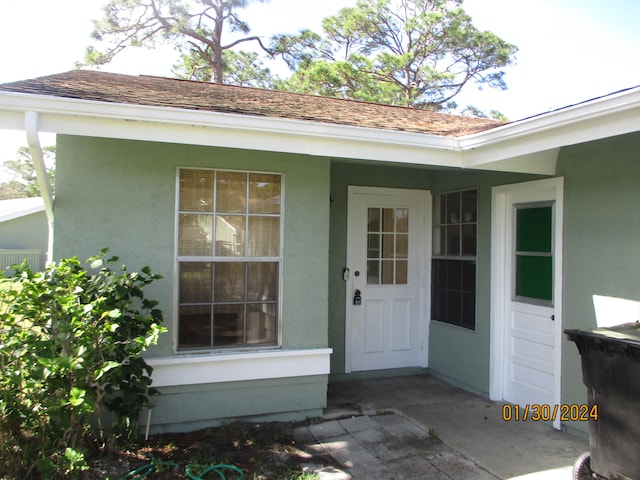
[{"x": 33, "y": 140}]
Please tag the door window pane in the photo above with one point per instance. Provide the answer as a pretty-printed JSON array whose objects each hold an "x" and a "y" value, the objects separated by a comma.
[
  {"x": 388, "y": 249},
  {"x": 389, "y": 220},
  {"x": 373, "y": 245},
  {"x": 392, "y": 245},
  {"x": 534, "y": 277},
  {"x": 387, "y": 272},
  {"x": 373, "y": 224},
  {"x": 373, "y": 272},
  {"x": 402, "y": 220},
  {"x": 402, "y": 246},
  {"x": 534, "y": 255},
  {"x": 533, "y": 230},
  {"x": 402, "y": 272}
]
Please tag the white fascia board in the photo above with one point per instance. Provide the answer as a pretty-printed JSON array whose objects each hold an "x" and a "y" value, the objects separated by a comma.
[
  {"x": 103, "y": 119},
  {"x": 235, "y": 367},
  {"x": 11, "y": 119},
  {"x": 604, "y": 117}
]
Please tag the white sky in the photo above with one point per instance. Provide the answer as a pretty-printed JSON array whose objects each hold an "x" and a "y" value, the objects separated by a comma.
[{"x": 569, "y": 50}]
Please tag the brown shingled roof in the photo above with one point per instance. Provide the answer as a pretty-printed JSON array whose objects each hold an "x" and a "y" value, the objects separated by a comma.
[{"x": 167, "y": 92}]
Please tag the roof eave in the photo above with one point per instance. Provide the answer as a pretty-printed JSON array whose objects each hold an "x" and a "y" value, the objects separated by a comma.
[
  {"x": 527, "y": 146},
  {"x": 22, "y": 213},
  {"x": 608, "y": 116},
  {"x": 142, "y": 122}
]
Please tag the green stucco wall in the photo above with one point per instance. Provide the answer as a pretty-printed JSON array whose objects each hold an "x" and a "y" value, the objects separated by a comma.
[
  {"x": 121, "y": 194},
  {"x": 190, "y": 407},
  {"x": 601, "y": 238}
]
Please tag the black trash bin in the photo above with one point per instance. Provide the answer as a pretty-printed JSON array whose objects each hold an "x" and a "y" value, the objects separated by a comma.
[{"x": 611, "y": 373}]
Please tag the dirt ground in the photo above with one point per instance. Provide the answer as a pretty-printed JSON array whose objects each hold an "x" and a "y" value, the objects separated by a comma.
[{"x": 260, "y": 451}]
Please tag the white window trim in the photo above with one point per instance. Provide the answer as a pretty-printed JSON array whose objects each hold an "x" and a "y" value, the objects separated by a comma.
[
  {"x": 235, "y": 367},
  {"x": 178, "y": 259}
]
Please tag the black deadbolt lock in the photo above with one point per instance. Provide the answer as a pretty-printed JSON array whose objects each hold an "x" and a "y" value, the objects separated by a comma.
[{"x": 357, "y": 297}]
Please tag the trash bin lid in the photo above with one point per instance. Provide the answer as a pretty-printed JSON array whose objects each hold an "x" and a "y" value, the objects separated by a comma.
[{"x": 627, "y": 333}]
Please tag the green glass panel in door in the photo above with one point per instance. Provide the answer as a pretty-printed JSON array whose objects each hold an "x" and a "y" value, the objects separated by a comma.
[
  {"x": 534, "y": 257},
  {"x": 533, "y": 232},
  {"x": 534, "y": 277}
]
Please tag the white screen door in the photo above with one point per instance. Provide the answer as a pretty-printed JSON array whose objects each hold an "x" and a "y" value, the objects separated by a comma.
[
  {"x": 530, "y": 334},
  {"x": 527, "y": 285},
  {"x": 387, "y": 278}
]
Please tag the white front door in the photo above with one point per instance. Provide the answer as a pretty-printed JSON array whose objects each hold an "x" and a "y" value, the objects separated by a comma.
[
  {"x": 387, "y": 278},
  {"x": 527, "y": 281}
]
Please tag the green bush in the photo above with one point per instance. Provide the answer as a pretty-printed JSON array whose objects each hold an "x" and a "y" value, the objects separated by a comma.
[{"x": 72, "y": 381}]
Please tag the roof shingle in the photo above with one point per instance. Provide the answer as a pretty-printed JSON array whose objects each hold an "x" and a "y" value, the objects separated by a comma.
[{"x": 173, "y": 93}]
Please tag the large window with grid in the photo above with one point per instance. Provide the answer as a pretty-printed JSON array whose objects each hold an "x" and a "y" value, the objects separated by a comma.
[
  {"x": 229, "y": 257},
  {"x": 453, "y": 282}
]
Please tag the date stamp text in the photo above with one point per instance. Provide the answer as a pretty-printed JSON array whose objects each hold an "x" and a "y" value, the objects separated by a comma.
[{"x": 549, "y": 413}]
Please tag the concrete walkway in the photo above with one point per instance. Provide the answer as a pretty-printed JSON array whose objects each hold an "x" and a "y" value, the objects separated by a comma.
[{"x": 420, "y": 427}]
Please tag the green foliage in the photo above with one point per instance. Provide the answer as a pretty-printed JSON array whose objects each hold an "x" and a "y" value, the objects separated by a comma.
[
  {"x": 24, "y": 181},
  {"x": 70, "y": 345},
  {"x": 418, "y": 53},
  {"x": 239, "y": 68},
  {"x": 194, "y": 26}
]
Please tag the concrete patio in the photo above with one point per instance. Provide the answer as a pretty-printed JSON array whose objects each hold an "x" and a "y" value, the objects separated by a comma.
[{"x": 419, "y": 427}]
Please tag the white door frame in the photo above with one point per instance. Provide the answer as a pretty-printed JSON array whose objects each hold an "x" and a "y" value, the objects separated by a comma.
[
  {"x": 424, "y": 265},
  {"x": 501, "y": 214}
]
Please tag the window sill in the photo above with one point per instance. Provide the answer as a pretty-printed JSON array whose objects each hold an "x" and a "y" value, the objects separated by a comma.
[{"x": 234, "y": 367}]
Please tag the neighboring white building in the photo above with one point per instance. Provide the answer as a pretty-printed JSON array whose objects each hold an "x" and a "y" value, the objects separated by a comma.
[{"x": 23, "y": 232}]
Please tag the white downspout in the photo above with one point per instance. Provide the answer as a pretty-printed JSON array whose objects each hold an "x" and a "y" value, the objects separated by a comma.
[{"x": 33, "y": 140}]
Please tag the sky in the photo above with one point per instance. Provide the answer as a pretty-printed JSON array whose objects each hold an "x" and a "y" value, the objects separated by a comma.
[{"x": 569, "y": 50}]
